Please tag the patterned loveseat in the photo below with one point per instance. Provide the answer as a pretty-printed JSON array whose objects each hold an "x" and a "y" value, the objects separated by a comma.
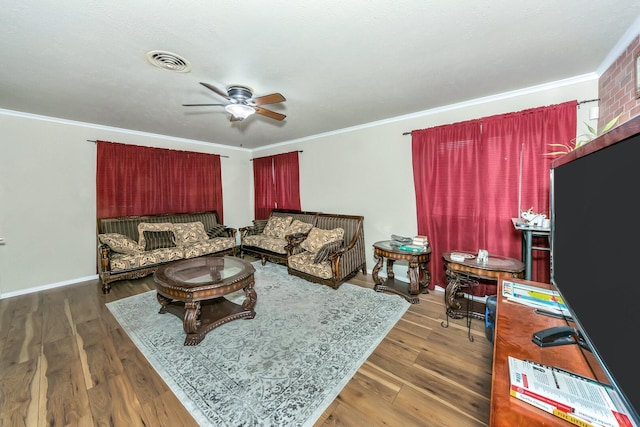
[
  {"x": 332, "y": 252},
  {"x": 319, "y": 247},
  {"x": 135, "y": 246},
  {"x": 268, "y": 239}
]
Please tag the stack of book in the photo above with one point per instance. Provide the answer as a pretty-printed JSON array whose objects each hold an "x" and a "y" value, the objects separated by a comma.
[
  {"x": 409, "y": 244},
  {"x": 400, "y": 240},
  {"x": 579, "y": 400},
  {"x": 421, "y": 240}
]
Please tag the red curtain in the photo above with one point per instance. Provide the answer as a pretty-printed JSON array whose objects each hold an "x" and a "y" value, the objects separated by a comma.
[
  {"x": 263, "y": 187},
  {"x": 286, "y": 174},
  {"x": 136, "y": 180},
  {"x": 467, "y": 178},
  {"x": 276, "y": 183}
]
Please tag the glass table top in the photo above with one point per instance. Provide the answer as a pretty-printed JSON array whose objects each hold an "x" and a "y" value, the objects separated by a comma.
[{"x": 203, "y": 270}]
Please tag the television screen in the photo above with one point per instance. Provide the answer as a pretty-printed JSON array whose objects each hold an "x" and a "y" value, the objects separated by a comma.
[{"x": 595, "y": 244}]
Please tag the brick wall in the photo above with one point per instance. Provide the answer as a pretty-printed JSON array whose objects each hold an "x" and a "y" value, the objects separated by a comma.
[{"x": 617, "y": 88}]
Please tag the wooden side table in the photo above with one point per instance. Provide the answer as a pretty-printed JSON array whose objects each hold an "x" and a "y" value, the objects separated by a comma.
[
  {"x": 463, "y": 276},
  {"x": 419, "y": 275}
]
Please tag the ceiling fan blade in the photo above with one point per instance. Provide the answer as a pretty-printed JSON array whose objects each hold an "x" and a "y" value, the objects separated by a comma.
[
  {"x": 268, "y": 99},
  {"x": 269, "y": 113},
  {"x": 216, "y": 90},
  {"x": 202, "y": 105}
]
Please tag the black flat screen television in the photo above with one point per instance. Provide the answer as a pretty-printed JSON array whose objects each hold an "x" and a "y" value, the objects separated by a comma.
[{"x": 595, "y": 250}]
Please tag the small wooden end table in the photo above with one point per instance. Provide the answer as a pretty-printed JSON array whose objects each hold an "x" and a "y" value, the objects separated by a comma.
[
  {"x": 194, "y": 290},
  {"x": 465, "y": 275},
  {"x": 419, "y": 275}
]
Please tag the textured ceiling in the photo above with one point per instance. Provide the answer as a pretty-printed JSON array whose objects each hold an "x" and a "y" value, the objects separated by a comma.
[{"x": 338, "y": 63}]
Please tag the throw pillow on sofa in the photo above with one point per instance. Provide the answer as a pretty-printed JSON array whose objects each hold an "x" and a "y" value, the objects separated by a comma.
[
  {"x": 276, "y": 226},
  {"x": 151, "y": 226},
  {"x": 259, "y": 225},
  {"x": 323, "y": 253},
  {"x": 298, "y": 226},
  {"x": 159, "y": 239},
  {"x": 119, "y": 243},
  {"x": 189, "y": 232},
  {"x": 319, "y": 237},
  {"x": 217, "y": 230}
]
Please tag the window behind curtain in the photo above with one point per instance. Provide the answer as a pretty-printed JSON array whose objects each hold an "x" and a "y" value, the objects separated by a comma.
[
  {"x": 467, "y": 182},
  {"x": 136, "y": 180},
  {"x": 276, "y": 183}
]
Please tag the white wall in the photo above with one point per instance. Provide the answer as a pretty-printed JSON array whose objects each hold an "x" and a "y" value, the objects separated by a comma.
[
  {"x": 368, "y": 171},
  {"x": 47, "y": 180},
  {"x": 47, "y": 196}
]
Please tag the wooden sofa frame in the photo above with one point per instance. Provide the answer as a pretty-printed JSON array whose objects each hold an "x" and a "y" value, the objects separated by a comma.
[{"x": 128, "y": 226}]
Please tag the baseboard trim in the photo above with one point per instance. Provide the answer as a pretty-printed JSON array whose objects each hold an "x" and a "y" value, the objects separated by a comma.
[{"x": 5, "y": 295}]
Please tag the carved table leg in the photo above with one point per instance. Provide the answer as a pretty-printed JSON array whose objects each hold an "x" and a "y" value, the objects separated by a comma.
[
  {"x": 414, "y": 282},
  {"x": 390, "y": 273},
  {"x": 190, "y": 322},
  {"x": 164, "y": 302},
  {"x": 453, "y": 285},
  {"x": 425, "y": 278},
  {"x": 376, "y": 269},
  {"x": 451, "y": 292},
  {"x": 250, "y": 297}
]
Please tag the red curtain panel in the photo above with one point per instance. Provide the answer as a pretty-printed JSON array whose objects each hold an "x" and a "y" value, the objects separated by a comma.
[
  {"x": 276, "y": 183},
  {"x": 286, "y": 174},
  {"x": 136, "y": 180},
  {"x": 469, "y": 178},
  {"x": 263, "y": 187}
]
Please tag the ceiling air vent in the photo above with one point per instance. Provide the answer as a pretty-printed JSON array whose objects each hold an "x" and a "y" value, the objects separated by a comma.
[{"x": 168, "y": 61}]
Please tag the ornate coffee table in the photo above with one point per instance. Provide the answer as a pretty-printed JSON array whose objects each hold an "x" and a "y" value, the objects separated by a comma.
[{"x": 194, "y": 290}]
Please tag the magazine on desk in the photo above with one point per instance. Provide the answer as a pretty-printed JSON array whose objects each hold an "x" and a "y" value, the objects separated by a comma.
[
  {"x": 536, "y": 297},
  {"x": 574, "y": 398}
]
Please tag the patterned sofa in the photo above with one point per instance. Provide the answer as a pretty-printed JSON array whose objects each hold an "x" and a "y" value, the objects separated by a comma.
[
  {"x": 135, "y": 246},
  {"x": 319, "y": 247}
]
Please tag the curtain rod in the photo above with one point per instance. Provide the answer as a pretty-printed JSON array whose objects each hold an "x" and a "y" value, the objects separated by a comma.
[
  {"x": 90, "y": 140},
  {"x": 588, "y": 100},
  {"x": 579, "y": 102},
  {"x": 299, "y": 151}
]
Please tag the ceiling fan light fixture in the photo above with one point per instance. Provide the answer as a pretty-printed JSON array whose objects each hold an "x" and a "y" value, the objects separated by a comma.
[{"x": 240, "y": 111}]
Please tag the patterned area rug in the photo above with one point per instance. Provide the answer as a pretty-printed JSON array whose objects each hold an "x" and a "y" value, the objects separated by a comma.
[{"x": 282, "y": 368}]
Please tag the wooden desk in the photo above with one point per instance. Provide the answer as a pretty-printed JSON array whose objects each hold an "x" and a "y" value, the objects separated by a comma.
[{"x": 515, "y": 324}]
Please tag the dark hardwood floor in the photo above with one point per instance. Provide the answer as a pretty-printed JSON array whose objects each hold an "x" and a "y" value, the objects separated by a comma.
[{"x": 65, "y": 362}]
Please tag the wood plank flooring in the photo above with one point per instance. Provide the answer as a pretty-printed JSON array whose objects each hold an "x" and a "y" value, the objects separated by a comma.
[{"x": 65, "y": 361}]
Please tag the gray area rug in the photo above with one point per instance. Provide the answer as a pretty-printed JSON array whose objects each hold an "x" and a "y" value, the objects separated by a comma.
[{"x": 282, "y": 368}]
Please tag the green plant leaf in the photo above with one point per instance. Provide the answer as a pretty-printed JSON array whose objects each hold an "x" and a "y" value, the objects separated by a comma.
[
  {"x": 611, "y": 124},
  {"x": 575, "y": 143}
]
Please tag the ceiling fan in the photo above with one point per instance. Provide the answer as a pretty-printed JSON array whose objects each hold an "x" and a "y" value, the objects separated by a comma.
[{"x": 242, "y": 104}]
